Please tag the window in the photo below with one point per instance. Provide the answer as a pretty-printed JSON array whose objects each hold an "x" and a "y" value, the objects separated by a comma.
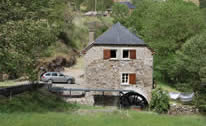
[
  {"x": 110, "y": 54},
  {"x": 113, "y": 53},
  {"x": 125, "y": 78},
  {"x": 125, "y": 54},
  {"x": 54, "y": 74},
  {"x": 129, "y": 54},
  {"x": 48, "y": 74},
  {"x": 128, "y": 78},
  {"x": 61, "y": 75}
]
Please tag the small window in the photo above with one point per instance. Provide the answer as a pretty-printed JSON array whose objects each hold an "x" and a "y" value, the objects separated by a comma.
[
  {"x": 125, "y": 54},
  {"x": 125, "y": 78},
  {"x": 54, "y": 74},
  {"x": 113, "y": 53},
  {"x": 128, "y": 78}
]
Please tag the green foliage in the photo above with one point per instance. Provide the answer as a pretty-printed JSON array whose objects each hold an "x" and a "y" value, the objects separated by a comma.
[
  {"x": 202, "y": 3},
  {"x": 191, "y": 63},
  {"x": 35, "y": 101},
  {"x": 160, "y": 101},
  {"x": 120, "y": 13},
  {"x": 27, "y": 29},
  {"x": 166, "y": 26},
  {"x": 101, "y": 5},
  {"x": 200, "y": 99},
  {"x": 22, "y": 44},
  {"x": 27, "y": 9}
]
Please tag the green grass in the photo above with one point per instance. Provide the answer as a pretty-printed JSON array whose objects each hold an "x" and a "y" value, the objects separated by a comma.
[
  {"x": 8, "y": 83},
  {"x": 42, "y": 108},
  {"x": 166, "y": 87},
  {"x": 35, "y": 101},
  {"x": 124, "y": 118}
]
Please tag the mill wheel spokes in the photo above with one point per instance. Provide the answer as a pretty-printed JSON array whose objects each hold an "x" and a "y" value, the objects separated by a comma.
[{"x": 133, "y": 99}]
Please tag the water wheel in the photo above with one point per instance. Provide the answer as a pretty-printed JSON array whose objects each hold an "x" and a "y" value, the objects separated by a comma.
[{"x": 133, "y": 99}]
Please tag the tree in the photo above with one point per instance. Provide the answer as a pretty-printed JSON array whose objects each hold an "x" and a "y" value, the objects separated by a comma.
[
  {"x": 27, "y": 29},
  {"x": 191, "y": 59},
  {"x": 166, "y": 26},
  {"x": 120, "y": 13},
  {"x": 22, "y": 44},
  {"x": 100, "y": 5}
]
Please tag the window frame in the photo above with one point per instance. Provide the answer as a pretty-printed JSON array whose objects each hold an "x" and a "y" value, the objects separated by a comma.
[
  {"x": 128, "y": 54},
  {"x": 48, "y": 74},
  {"x": 111, "y": 54},
  {"x": 127, "y": 83},
  {"x": 56, "y": 74}
]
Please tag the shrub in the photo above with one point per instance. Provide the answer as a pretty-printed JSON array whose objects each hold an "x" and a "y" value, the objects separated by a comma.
[{"x": 160, "y": 101}]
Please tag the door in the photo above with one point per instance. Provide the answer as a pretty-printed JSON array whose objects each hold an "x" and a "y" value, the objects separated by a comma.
[
  {"x": 54, "y": 77},
  {"x": 62, "y": 78}
]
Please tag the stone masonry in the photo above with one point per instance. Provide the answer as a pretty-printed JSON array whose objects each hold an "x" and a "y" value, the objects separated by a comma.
[{"x": 100, "y": 73}]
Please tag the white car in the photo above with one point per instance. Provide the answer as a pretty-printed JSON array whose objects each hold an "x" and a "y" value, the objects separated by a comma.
[{"x": 57, "y": 77}]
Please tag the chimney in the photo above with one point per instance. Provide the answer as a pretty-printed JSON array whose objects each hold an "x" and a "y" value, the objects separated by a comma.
[{"x": 92, "y": 30}]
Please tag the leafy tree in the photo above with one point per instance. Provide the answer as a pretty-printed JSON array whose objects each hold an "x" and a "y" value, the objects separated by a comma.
[
  {"x": 27, "y": 28},
  {"x": 22, "y": 44},
  {"x": 27, "y": 9},
  {"x": 166, "y": 26},
  {"x": 120, "y": 13},
  {"x": 101, "y": 5},
  {"x": 191, "y": 62},
  {"x": 202, "y": 3}
]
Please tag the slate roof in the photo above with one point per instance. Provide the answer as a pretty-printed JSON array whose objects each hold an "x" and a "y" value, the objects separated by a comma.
[
  {"x": 130, "y": 5},
  {"x": 118, "y": 35}
]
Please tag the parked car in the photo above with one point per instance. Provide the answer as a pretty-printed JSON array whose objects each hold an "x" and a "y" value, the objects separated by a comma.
[{"x": 54, "y": 77}]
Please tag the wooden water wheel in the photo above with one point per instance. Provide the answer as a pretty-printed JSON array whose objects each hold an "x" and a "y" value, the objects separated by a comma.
[{"x": 133, "y": 99}]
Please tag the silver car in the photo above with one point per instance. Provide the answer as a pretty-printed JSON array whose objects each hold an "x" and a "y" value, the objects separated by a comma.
[{"x": 54, "y": 77}]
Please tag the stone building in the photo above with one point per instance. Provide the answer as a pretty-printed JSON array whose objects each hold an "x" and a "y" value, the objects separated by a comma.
[{"x": 118, "y": 59}]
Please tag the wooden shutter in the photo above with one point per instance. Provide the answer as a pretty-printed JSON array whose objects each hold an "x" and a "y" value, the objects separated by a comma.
[
  {"x": 107, "y": 54},
  {"x": 132, "y": 54},
  {"x": 132, "y": 78}
]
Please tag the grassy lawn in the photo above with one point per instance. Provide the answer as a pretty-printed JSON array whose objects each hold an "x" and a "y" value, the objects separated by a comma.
[
  {"x": 123, "y": 118},
  {"x": 166, "y": 87},
  {"x": 42, "y": 108}
]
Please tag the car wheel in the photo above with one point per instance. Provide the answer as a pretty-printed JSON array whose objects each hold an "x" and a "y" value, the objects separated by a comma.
[
  {"x": 69, "y": 81},
  {"x": 50, "y": 81}
]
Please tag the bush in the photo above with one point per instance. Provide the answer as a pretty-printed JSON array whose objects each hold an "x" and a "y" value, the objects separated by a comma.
[{"x": 160, "y": 101}]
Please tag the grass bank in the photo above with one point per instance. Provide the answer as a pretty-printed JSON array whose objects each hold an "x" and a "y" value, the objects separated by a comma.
[
  {"x": 117, "y": 118},
  {"x": 35, "y": 101}
]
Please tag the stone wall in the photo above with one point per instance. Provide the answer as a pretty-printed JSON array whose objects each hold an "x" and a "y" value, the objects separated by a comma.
[
  {"x": 100, "y": 73},
  {"x": 183, "y": 110}
]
